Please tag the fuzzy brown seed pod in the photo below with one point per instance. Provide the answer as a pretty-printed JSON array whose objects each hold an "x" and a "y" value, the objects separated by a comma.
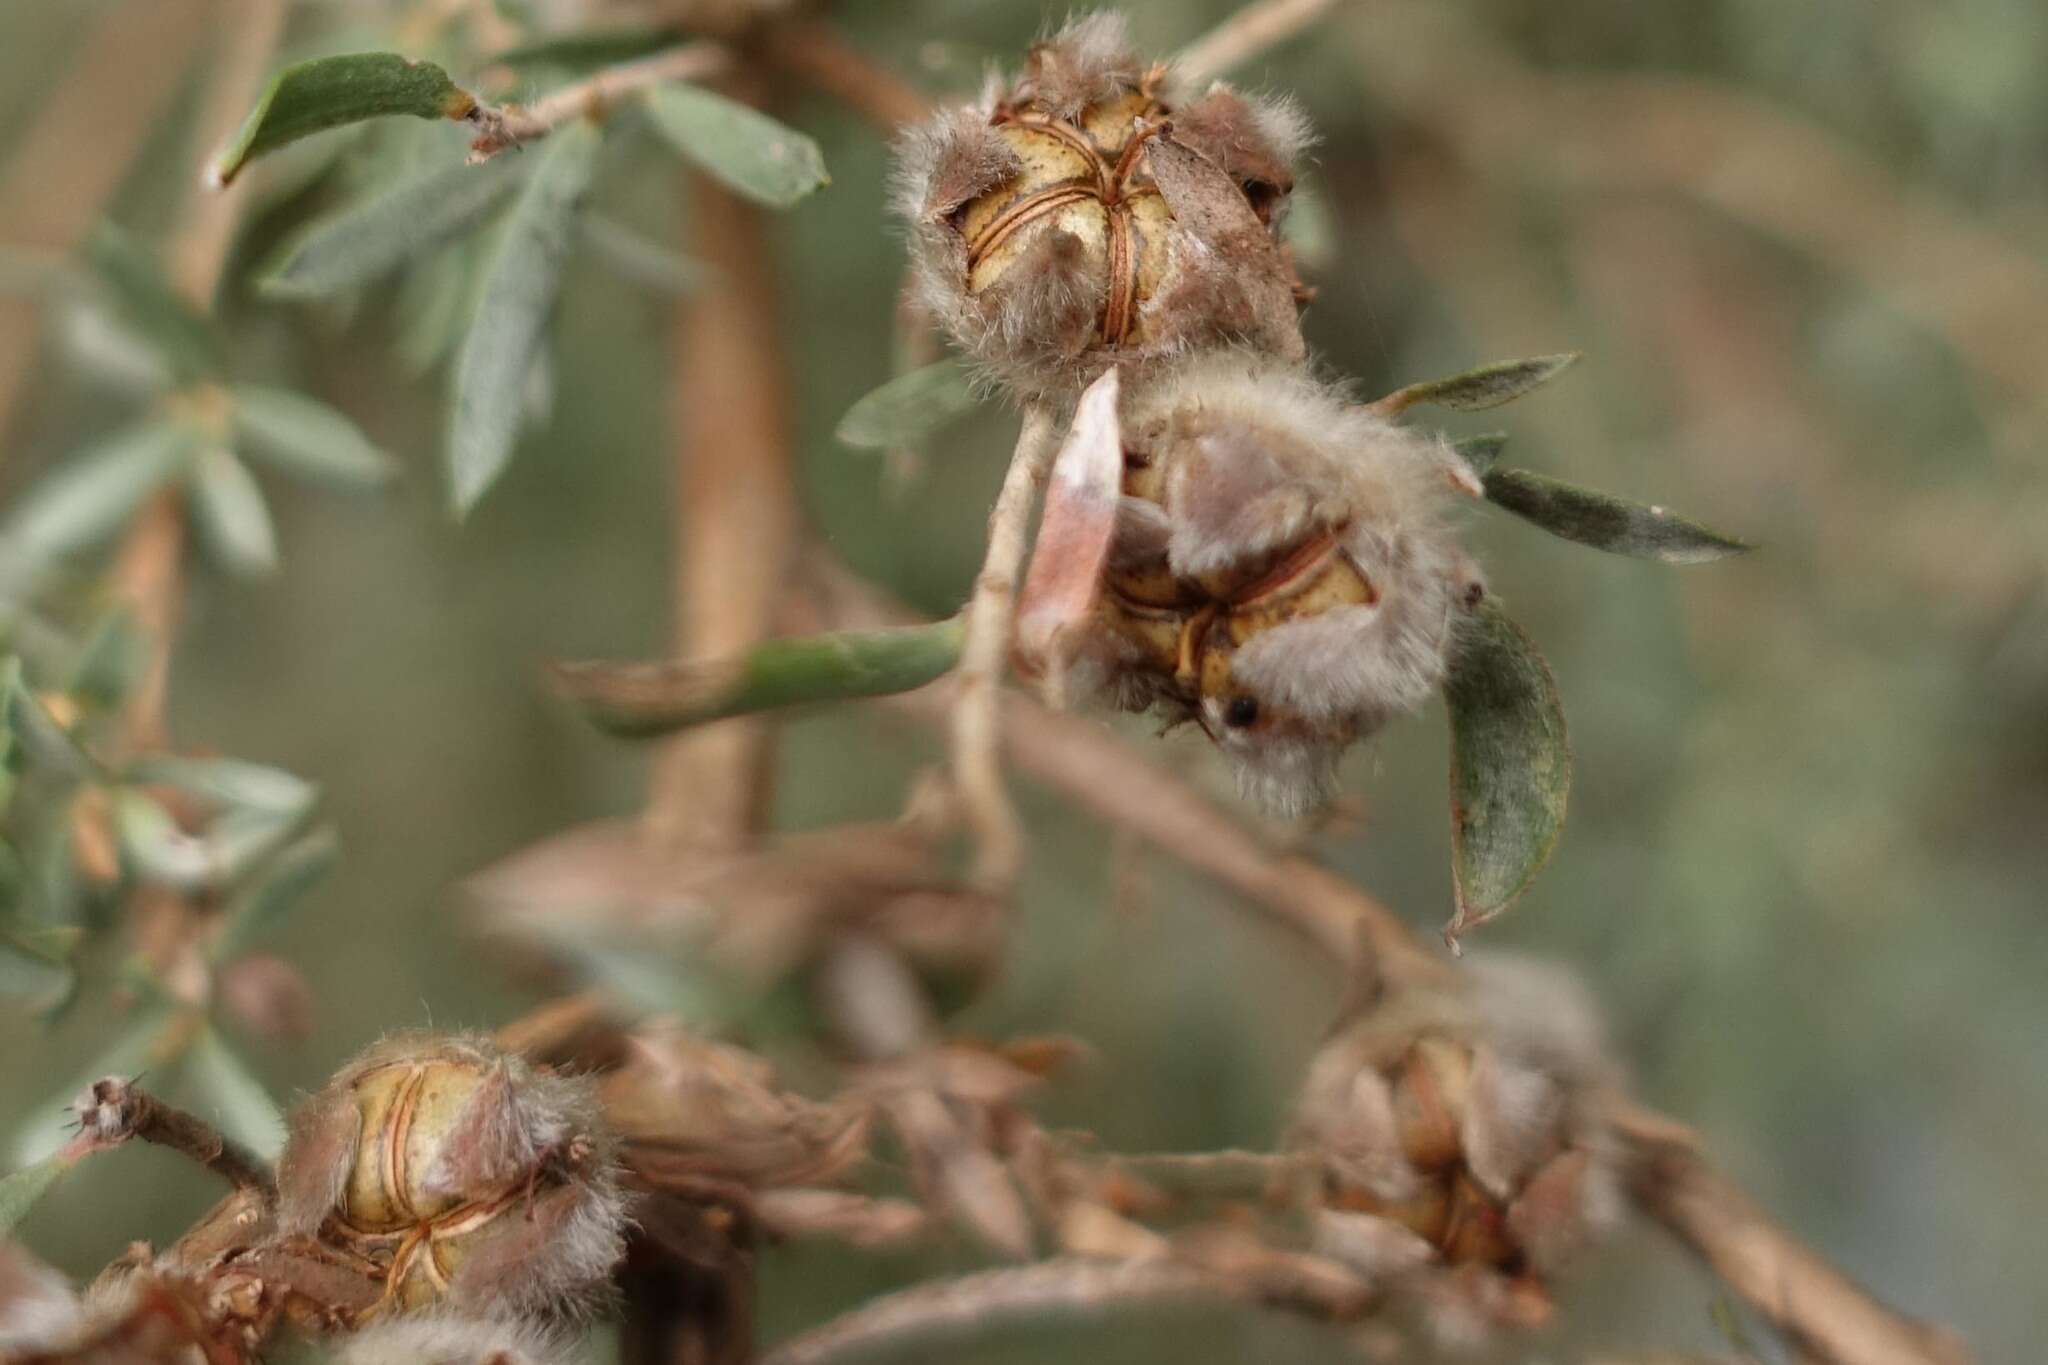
[
  {"x": 453, "y": 1171},
  {"x": 1090, "y": 213},
  {"x": 1460, "y": 1143},
  {"x": 1284, "y": 573}
]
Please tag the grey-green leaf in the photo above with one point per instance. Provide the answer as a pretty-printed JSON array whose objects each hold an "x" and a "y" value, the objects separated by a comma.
[
  {"x": 45, "y": 744},
  {"x": 653, "y": 699},
  {"x": 909, "y": 407},
  {"x": 1605, "y": 522},
  {"x": 518, "y": 295},
  {"x": 1486, "y": 387},
  {"x": 641, "y": 260},
  {"x": 305, "y": 437},
  {"x": 1510, "y": 767},
  {"x": 376, "y": 235},
  {"x": 147, "y": 302},
  {"x": 218, "y": 1086},
  {"x": 156, "y": 847},
  {"x": 232, "y": 516},
  {"x": 228, "y": 782},
  {"x": 328, "y": 92},
  {"x": 32, "y": 980},
  {"x": 20, "y": 1190},
  {"x": 758, "y": 157},
  {"x": 92, "y": 494},
  {"x": 276, "y": 889}
]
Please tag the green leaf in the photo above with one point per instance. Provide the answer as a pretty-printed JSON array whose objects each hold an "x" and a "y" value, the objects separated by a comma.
[
  {"x": 109, "y": 661},
  {"x": 1608, "y": 523},
  {"x": 91, "y": 495},
  {"x": 274, "y": 892},
  {"x": 20, "y": 1190},
  {"x": 1481, "y": 453},
  {"x": 36, "y": 981},
  {"x": 577, "y": 54},
  {"x": 227, "y": 782},
  {"x": 1486, "y": 387},
  {"x": 328, "y": 92},
  {"x": 233, "y": 519},
  {"x": 1511, "y": 767},
  {"x": 640, "y": 260},
  {"x": 218, "y": 1086},
  {"x": 156, "y": 847},
  {"x": 654, "y": 699},
  {"x": 147, "y": 1042},
  {"x": 145, "y": 300},
  {"x": 376, "y": 235},
  {"x": 46, "y": 745},
  {"x": 909, "y": 408},
  {"x": 519, "y": 290},
  {"x": 752, "y": 153},
  {"x": 307, "y": 438}
]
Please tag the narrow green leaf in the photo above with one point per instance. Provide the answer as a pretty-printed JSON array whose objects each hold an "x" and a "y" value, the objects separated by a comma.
[
  {"x": 274, "y": 892},
  {"x": 1605, "y": 522},
  {"x": 45, "y": 745},
  {"x": 909, "y": 408},
  {"x": 32, "y": 980},
  {"x": 233, "y": 519},
  {"x": 511, "y": 317},
  {"x": 640, "y": 260},
  {"x": 1481, "y": 453},
  {"x": 227, "y": 782},
  {"x": 154, "y": 845},
  {"x": 1510, "y": 767},
  {"x": 92, "y": 494},
  {"x": 577, "y": 54},
  {"x": 20, "y": 1190},
  {"x": 149, "y": 1041},
  {"x": 218, "y": 1086},
  {"x": 328, "y": 92},
  {"x": 653, "y": 699},
  {"x": 758, "y": 157},
  {"x": 146, "y": 301},
  {"x": 376, "y": 235},
  {"x": 1486, "y": 387},
  {"x": 109, "y": 661},
  {"x": 305, "y": 437}
]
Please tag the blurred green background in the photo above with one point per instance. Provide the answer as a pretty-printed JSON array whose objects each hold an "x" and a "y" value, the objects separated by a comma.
[{"x": 1800, "y": 246}]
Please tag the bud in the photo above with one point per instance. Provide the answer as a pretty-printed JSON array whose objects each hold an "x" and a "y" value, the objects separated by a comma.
[
  {"x": 454, "y": 1171},
  {"x": 1090, "y": 214},
  {"x": 1283, "y": 574},
  {"x": 1462, "y": 1150}
]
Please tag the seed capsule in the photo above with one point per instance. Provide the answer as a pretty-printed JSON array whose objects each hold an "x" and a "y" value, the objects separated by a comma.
[
  {"x": 1283, "y": 573},
  {"x": 1090, "y": 214},
  {"x": 448, "y": 1169}
]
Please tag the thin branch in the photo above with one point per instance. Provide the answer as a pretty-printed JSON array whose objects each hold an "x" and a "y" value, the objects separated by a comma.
[
  {"x": 113, "y": 1110},
  {"x": 976, "y": 728},
  {"x": 504, "y": 127},
  {"x": 819, "y": 54},
  {"x": 735, "y": 515},
  {"x": 972, "y": 1303},
  {"x": 1257, "y": 27}
]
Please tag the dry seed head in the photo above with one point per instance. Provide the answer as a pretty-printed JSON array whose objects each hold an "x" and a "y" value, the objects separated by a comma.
[
  {"x": 1462, "y": 1147},
  {"x": 455, "y": 1171},
  {"x": 1090, "y": 214},
  {"x": 1284, "y": 574}
]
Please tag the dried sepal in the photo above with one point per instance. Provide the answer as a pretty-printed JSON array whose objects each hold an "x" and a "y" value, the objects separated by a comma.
[
  {"x": 37, "y": 1306},
  {"x": 1480, "y": 1160},
  {"x": 1092, "y": 213},
  {"x": 1284, "y": 573}
]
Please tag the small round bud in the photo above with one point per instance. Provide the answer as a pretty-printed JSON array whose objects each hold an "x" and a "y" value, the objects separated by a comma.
[
  {"x": 1463, "y": 1154},
  {"x": 1090, "y": 215},
  {"x": 452, "y": 1170},
  {"x": 1283, "y": 573}
]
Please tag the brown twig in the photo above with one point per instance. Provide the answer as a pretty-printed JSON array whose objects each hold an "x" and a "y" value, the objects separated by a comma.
[
  {"x": 113, "y": 1110},
  {"x": 735, "y": 515},
  {"x": 504, "y": 127},
  {"x": 977, "y": 725},
  {"x": 819, "y": 54},
  {"x": 1257, "y": 27}
]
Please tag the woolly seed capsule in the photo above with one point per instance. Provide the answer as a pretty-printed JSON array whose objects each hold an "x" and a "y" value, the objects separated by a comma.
[
  {"x": 1283, "y": 573},
  {"x": 451, "y": 1170},
  {"x": 1089, "y": 215}
]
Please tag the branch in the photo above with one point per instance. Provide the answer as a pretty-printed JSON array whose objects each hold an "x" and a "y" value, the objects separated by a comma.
[
  {"x": 113, "y": 1110},
  {"x": 1244, "y": 35},
  {"x": 976, "y": 728},
  {"x": 819, "y": 54},
  {"x": 504, "y": 127}
]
